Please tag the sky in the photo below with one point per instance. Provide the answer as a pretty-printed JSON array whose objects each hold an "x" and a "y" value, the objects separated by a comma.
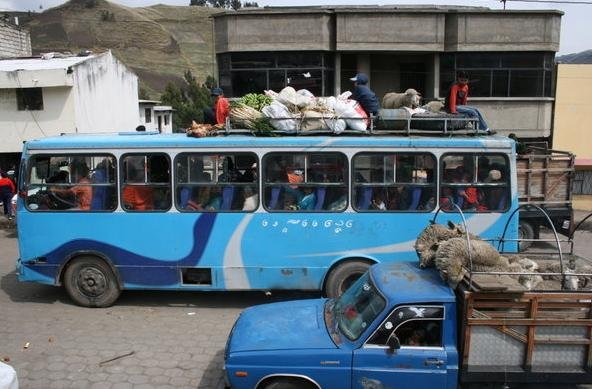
[{"x": 576, "y": 33}]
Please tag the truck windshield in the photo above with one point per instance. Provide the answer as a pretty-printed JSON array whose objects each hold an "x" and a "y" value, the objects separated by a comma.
[{"x": 358, "y": 307}]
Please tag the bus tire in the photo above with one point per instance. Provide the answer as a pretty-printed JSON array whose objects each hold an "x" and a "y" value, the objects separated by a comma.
[
  {"x": 343, "y": 276},
  {"x": 525, "y": 231},
  {"x": 90, "y": 282},
  {"x": 288, "y": 383}
]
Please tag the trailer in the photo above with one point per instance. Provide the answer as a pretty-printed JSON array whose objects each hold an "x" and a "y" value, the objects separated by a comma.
[{"x": 544, "y": 179}]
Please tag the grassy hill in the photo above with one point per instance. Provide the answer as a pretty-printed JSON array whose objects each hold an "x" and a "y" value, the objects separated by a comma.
[{"x": 158, "y": 42}]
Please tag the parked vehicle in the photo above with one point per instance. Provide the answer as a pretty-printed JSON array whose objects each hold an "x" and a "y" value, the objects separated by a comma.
[
  {"x": 102, "y": 213},
  {"x": 544, "y": 179},
  {"x": 400, "y": 326}
]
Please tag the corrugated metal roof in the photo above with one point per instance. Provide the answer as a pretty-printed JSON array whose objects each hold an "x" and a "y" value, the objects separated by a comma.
[{"x": 10, "y": 65}]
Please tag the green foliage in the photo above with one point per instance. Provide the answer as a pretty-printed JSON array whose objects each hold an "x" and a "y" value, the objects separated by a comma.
[
  {"x": 143, "y": 93},
  {"x": 256, "y": 100},
  {"x": 90, "y": 3},
  {"x": 235, "y": 4},
  {"x": 107, "y": 16},
  {"x": 188, "y": 100},
  {"x": 201, "y": 3},
  {"x": 252, "y": 4}
]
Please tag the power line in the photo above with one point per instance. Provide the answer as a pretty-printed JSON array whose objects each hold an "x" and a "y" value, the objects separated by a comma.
[{"x": 578, "y": 2}]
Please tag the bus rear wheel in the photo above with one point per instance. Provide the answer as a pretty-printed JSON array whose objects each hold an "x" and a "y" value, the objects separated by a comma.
[
  {"x": 90, "y": 282},
  {"x": 343, "y": 276}
]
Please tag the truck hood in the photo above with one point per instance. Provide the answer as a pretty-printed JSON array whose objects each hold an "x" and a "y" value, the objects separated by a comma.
[{"x": 287, "y": 325}]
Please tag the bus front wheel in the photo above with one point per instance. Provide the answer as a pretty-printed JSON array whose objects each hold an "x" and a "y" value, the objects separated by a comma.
[
  {"x": 343, "y": 276},
  {"x": 90, "y": 282}
]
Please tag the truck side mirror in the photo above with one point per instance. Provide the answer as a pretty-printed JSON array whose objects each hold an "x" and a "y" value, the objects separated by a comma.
[{"x": 393, "y": 344}]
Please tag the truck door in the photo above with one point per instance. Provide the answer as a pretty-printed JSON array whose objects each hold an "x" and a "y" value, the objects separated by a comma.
[{"x": 421, "y": 360}]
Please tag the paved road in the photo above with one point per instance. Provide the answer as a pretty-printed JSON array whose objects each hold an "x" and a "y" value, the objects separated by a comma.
[{"x": 177, "y": 339}]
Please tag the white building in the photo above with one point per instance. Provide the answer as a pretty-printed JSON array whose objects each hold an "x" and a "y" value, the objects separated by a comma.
[
  {"x": 156, "y": 117},
  {"x": 43, "y": 97},
  {"x": 14, "y": 40}
]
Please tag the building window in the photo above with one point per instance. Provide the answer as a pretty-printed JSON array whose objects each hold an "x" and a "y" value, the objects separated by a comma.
[
  {"x": 29, "y": 99},
  {"x": 242, "y": 73},
  {"x": 500, "y": 74},
  {"x": 147, "y": 115}
]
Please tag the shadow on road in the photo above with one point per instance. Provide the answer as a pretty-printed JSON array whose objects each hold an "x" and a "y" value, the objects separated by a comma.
[
  {"x": 213, "y": 375},
  {"x": 25, "y": 292},
  {"x": 29, "y": 292},
  {"x": 235, "y": 299}
]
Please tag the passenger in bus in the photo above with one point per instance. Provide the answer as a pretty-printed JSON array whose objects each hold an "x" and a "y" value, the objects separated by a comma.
[
  {"x": 251, "y": 199},
  {"x": 290, "y": 202},
  {"x": 340, "y": 202},
  {"x": 102, "y": 196},
  {"x": 137, "y": 197},
  {"x": 446, "y": 198},
  {"x": 496, "y": 196},
  {"x": 378, "y": 201},
  {"x": 309, "y": 199},
  {"x": 215, "y": 201},
  {"x": 82, "y": 191}
]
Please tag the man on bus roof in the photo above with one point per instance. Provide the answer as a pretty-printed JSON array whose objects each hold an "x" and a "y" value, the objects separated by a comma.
[
  {"x": 219, "y": 112},
  {"x": 364, "y": 95}
]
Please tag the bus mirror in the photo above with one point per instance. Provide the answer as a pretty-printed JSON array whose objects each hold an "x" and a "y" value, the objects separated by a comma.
[{"x": 393, "y": 344}]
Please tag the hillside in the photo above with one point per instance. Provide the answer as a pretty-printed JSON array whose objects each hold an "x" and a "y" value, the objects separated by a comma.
[
  {"x": 158, "y": 42},
  {"x": 582, "y": 57}
]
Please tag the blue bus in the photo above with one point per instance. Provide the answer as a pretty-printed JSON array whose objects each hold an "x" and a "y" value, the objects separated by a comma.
[{"x": 102, "y": 213}]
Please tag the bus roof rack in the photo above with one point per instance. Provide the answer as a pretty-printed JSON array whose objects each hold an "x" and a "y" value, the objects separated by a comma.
[{"x": 421, "y": 126}]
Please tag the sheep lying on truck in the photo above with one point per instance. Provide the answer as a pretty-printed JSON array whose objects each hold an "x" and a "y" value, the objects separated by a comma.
[
  {"x": 428, "y": 240},
  {"x": 452, "y": 259},
  {"x": 392, "y": 100},
  {"x": 427, "y": 243}
]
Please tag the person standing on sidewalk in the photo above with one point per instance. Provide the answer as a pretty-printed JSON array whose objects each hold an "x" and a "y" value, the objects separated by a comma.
[{"x": 7, "y": 190}]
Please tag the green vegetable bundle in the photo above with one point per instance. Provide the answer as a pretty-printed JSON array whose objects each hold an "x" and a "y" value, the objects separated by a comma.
[{"x": 256, "y": 100}]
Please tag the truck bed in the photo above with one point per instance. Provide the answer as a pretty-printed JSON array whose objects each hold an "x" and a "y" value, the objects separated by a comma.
[{"x": 508, "y": 334}]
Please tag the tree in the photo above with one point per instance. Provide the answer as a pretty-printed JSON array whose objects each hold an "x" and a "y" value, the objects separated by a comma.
[
  {"x": 201, "y": 3},
  {"x": 188, "y": 100},
  {"x": 252, "y": 4},
  {"x": 235, "y": 4}
]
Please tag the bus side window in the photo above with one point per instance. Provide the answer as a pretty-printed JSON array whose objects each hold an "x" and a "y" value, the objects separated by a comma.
[
  {"x": 305, "y": 182},
  {"x": 474, "y": 182},
  {"x": 387, "y": 182},
  {"x": 82, "y": 182},
  {"x": 145, "y": 182},
  {"x": 216, "y": 182}
]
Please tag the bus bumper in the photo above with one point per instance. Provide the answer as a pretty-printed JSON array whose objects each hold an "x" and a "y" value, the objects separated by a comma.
[{"x": 36, "y": 272}]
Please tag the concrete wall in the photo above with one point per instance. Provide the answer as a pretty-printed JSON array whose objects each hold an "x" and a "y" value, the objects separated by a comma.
[
  {"x": 17, "y": 126},
  {"x": 573, "y": 128},
  {"x": 14, "y": 41},
  {"x": 526, "y": 117},
  {"x": 391, "y": 31},
  {"x": 503, "y": 31},
  {"x": 106, "y": 96},
  {"x": 274, "y": 32}
]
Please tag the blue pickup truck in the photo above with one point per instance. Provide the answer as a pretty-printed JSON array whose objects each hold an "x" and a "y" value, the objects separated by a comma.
[{"x": 400, "y": 327}]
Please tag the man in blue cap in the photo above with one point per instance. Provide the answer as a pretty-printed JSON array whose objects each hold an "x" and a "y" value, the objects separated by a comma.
[
  {"x": 219, "y": 112},
  {"x": 364, "y": 95}
]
